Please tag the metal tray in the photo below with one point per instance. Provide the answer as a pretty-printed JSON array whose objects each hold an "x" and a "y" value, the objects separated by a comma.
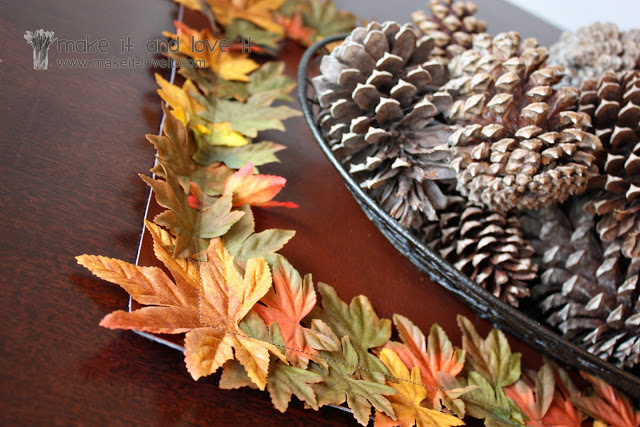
[{"x": 502, "y": 315}]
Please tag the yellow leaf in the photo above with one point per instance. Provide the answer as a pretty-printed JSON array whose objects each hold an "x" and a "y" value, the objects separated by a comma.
[
  {"x": 411, "y": 393},
  {"x": 191, "y": 4},
  {"x": 203, "y": 46},
  {"x": 183, "y": 106},
  {"x": 236, "y": 66},
  {"x": 202, "y": 129},
  {"x": 260, "y": 12},
  {"x": 223, "y": 135}
]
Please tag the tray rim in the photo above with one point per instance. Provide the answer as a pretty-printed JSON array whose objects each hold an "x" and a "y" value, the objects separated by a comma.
[{"x": 486, "y": 305}]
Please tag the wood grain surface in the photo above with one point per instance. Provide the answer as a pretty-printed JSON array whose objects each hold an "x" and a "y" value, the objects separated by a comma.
[{"x": 71, "y": 144}]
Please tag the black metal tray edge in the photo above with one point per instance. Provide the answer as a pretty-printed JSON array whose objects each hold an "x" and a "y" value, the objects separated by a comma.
[{"x": 487, "y": 306}]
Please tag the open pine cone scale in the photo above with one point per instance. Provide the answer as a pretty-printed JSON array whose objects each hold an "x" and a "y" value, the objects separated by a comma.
[
  {"x": 523, "y": 145},
  {"x": 381, "y": 109},
  {"x": 613, "y": 101}
]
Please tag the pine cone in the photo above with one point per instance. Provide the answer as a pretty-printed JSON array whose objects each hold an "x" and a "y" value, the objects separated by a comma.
[
  {"x": 614, "y": 105},
  {"x": 451, "y": 25},
  {"x": 594, "y": 49},
  {"x": 589, "y": 294},
  {"x": 523, "y": 145},
  {"x": 486, "y": 246},
  {"x": 380, "y": 109}
]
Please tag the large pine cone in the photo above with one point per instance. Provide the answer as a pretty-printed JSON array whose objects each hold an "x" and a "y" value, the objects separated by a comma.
[
  {"x": 613, "y": 101},
  {"x": 524, "y": 145},
  {"x": 589, "y": 294},
  {"x": 380, "y": 105},
  {"x": 594, "y": 49},
  {"x": 451, "y": 24},
  {"x": 487, "y": 246}
]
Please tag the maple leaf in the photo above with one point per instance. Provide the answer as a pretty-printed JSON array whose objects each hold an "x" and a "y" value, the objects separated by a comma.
[
  {"x": 360, "y": 322},
  {"x": 190, "y": 226},
  {"x": 432, "y": 357},
  {"x": 209, "y": 179},
  {"x": 219, "y": 134},
  {"x": 244, "y": 243},
  {"x": 175, "y": 149},
  {"x": 269, "y": 77},
  {"x": 491, "y": 357},
  {"x": 608, "y": 405},
  {"x": 487, "y": 402},
  {"x": 340, "y": 384},
  {"x": 191, "y": 4},
  {"x": 259, "y": 153},
  {"x": 255, "y": 190},
  {"x": 289, "y": 7},
  {"x": 295, "y": 29},
  {"x": 411, "y": 393},
  {"x": 326, "y": 20},
  {"x": 234, "y": 376},
  {"x": 289, "y": 300},
  {"x": 202, "y": 45},
  {"x": 251, "y": 116},
  {"x": 491, "y": 367},
  {"x": 240, "y": 29},
  {"x": 184, "y": 107},
  {"x": 259, "y": 12},
  {"x": 541, "y": 402},
  {"x": 174, "y": 307},
  {"x": 283, "y": 380}
]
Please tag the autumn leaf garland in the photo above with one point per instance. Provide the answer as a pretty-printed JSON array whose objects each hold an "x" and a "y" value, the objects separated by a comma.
[{"x": 247, "y": 311}]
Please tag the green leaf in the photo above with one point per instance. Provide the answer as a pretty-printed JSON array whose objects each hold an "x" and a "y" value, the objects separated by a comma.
[
  {"x": 216, "y": 220},
  {"x": 205, "y": 78},
  {"x": 254, "y": 327},
  {"x": 244, "y": 243},
  {"x": 283, "y": 380},
  {"x": 361, "y": 323},
  {"x": 234, "y": 376},
  {"x": 326, "y": 20},
  {"x": 259, "y": 153},
  {"x": 192, "y": 228},
  {"x": 289, "y": 7},
  {"x": 490, "y": 403},
  {"x": 492, "y": 357},
  {"x": 175, "y": 148},
  {"x": 340, "y": 385},
  {"x": 240, "y": 28},
  {"x": 269, "y": 77},
  {"x": 251, "y": 116}
]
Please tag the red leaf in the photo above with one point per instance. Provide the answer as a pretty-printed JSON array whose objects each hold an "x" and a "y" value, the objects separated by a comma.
[{"x": 255, "y": 190}]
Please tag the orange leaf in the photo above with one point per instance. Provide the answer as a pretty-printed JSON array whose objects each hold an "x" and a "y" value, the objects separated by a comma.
[
  {"x": 202, "y": 45},
  {"x": 609, "y": 406},
  {"x": 210, "y": 319},
  {"x": 542, "y": 402},
  {"x": 287, "y": 303},
  {"x": 295, "y": 29},
  {"x": 436, "y": 355},
  {"x": 255, "y": 190}
]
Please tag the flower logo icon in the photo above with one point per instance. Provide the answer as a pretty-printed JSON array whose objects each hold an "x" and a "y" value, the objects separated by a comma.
[{"x": 40, "y": 40}]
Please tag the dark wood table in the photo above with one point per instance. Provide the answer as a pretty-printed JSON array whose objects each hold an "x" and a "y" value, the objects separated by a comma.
[{"x": 71, "y": 144}]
